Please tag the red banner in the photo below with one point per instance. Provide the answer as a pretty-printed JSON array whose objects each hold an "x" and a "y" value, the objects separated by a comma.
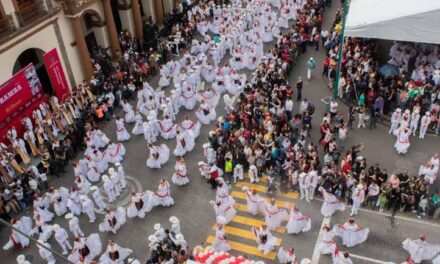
[
  {"x": 18, "y": 97},
  {"x": 56, "y": 74}
]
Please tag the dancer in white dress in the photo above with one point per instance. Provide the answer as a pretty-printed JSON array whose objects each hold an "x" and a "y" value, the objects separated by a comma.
[
  {"x": 85, "y": 249},
  {"x": 113, "y": 220},
  {"x": 128, "y": 110},
  {"x": 351, "y": 233},
  {"x": 16, "y": 239},
  {"x": 340, "y": 257},
  {"x": 149, "y": 134},
  {"x": 162, "y": 196},
  {"x": 189, "y": 125},
  {"x": 138, "y": 206},
  {"x": 175, "y": 225},
  {"x": 238, "y": 173},
  {"x": 265, "y": 240},
  {"x": 330, "y": 203},
  {"x": 205, "y": 113},
  {"x": 286, "y": 256},
  {"x": 185, "y": 143},
  {"x": 420, "y": 249},
  {"x": 121, "y": 133},
  {"x": 180, "y": 177},
  {"x": 327, "y": 245},
  {"x": 254, "y": 203},
  {"x": 402, "y": 142},
  {"x": 115, "y": 152},
  {"x": 224, "y": 211},
  {"x": 298, "y": 222},
  {"x": 166, "y": 127},
  {"x": 137, "y": 129},
  {"x": 158, "y": 155},
  {"x": 273, "y": 216},
  {"x": 220, "y": 243},
  {"x": 115, "y": 254}
]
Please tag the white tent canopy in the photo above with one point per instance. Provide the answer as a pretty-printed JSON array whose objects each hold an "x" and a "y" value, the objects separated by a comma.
[{"x": 404, "y": 20}]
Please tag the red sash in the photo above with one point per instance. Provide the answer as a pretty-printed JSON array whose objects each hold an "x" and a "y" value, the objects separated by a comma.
[
  {"x": 117, "y": 151},
  {"x": 188, "y": 128},
  {"x": 181, "y": 175},
  {"x": 165, "y": 130}
]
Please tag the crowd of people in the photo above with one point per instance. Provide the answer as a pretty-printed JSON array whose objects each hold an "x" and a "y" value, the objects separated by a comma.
[
  {"x": 409, "y": 83},
  {"x": 260, "y": 134}
]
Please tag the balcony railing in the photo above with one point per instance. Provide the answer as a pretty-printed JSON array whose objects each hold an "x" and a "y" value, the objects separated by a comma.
[
  {"x": 72, "y": 7},
  {"x": 33, "y": 12},
  {"x": 6, "y": 26}
]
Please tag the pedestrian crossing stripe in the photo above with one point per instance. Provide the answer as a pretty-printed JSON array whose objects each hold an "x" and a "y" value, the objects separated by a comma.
[
  {"x": 242, "y": 233},
  {"x": 254, "y": 222},
  {"x": 261, "y": 179},
  {"x": 242, "y": 195},
  {"x": 246, "y": 249},
  {"x": 260, "y": 188}
]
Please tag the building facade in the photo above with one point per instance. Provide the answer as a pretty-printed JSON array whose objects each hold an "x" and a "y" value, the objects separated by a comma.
[{"x": 30, "y": 28}]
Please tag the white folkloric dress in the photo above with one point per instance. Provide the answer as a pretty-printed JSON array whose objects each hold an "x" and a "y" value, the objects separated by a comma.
[
  {"x": 331, "y": 204},
  {"x": 328, "y": 245},
  {"x": 162, "y": 196},
  {"x": 121, "y": 133},
  {"x": 166, "y": 128},
  {"x": 129, "y": 113},
  {"x": 220, "y": 244},
  {"x": 254, "y": 203},
  {"x": 286, "y": 256},
  {"x": 189, "y": 125},
  {"x": 113, "y": 221},
  {"x": 108, "y": 256},
  {"x": 180, "y": 177},
  {"x": 274, "y": 216},
  {"x": 265, "y": 240},
  {"x": 138, "y": 129},
  {"x": 402, "y": 142},
  {"x": 351, "y": 234},
  {"x": 138, "y": 206},
  {"x": 298, "y": 222},
  {"x": 205, "y": 114},
  {"x": 210, "y": 97},
  {"x": 92, "y": 243},
  {"x": 154, "y": 159},
  {"x": 420, "y": 250}
]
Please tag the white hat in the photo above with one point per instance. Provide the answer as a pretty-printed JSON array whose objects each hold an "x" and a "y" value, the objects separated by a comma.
[
  {"x": 305, "y": 261},
  {"x": 225, "y": 97},
  {"x": 179, "y": 237},
  {"x": 152, "y": 112},
  {"x": 93, "y": 188},
  {"x": 201, "y": 163},
  {"x": 152, "y": 238},
  {"x": 105, "y": 178},
  {"x": 173, "y": 219},
  {"x": 206, "y": 145},
  {"x": 149, "y": 117},
  {"x": 111, "y": 171},
  {"x": 427, "y": 113},
  {"x": 118, "y": 164},
  {"x": 157, "y": 226},
  {"x": 211, "y": 133},
  {"x": 70, "y": 215},
  {"x": 20, "y": 259},
  {"x": 238, "y": 166},
  {"x": 360, "y": 186},
  {"x": 56, "y": 227},
  {"x": 173, "y": 91},
  {"x": 220, "y": 119},
  {"x": 398, "y": 110}
]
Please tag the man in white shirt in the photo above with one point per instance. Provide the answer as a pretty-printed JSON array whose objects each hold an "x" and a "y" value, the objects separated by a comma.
[{"x": 288, "y": 106}]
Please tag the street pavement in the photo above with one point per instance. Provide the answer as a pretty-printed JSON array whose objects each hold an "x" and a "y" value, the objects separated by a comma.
[{"x": 197, "y": 216}]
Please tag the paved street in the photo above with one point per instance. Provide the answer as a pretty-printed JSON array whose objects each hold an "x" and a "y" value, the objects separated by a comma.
[{"x": 197, "y": 217}]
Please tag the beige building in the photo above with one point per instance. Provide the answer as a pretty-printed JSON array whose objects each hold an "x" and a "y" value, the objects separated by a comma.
[{"x": 30, "y": 28}]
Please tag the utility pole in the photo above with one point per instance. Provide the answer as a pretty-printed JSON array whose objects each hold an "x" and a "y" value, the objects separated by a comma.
[
  {"x": 341, "y": 47},
  {"x": 36, "y": 241}
]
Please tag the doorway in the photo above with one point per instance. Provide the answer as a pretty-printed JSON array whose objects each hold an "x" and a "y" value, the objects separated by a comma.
[
  {"x": 35, "y": 56},
  {"x": 92, "y": 44}
]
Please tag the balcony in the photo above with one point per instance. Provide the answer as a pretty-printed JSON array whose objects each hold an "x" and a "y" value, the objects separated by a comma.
[
  {"x": 33, "y": 12},
  {"x": 25, "y": 19},
  {"x": 73, "y": 7},
  {"x": 6, "y": 26}
]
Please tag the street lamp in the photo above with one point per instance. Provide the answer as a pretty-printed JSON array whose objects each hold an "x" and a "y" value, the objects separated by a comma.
[{"x": 341, "y": 47}]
